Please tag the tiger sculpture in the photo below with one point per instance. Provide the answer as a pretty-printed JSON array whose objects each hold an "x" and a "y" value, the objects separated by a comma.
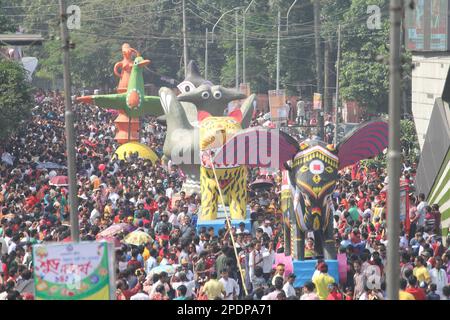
[{"x": 232, "y": 179}]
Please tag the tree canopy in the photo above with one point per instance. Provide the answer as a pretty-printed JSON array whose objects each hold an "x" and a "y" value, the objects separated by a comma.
[
  {"x": 15, "y": 97},
  {"x": 155, "y": 29}
]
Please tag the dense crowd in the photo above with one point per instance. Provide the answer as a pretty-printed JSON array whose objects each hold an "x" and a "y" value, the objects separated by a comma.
[{"x": 178, "y": 261}]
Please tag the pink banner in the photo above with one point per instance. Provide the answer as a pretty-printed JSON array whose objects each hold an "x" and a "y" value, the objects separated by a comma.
[{"x": 342, "y": 267}]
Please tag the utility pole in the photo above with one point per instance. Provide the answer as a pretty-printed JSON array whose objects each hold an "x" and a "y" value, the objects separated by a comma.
[
  {"x": 237, "y": 49},
  {"x": 278, "y": 51},
  {"x": 244, "y": 75},
  {"x": 338, "y": 67},
  {"x": 70, "y": 132},
  {"x": 394, "y": 152},
  {"x": 318, "y": 60},
  {"x": 243, "y": 49},
  {"x": 326, "y": 80},
  {"x": 206, "y": 54},
  {"x": 185, "y": 49}
]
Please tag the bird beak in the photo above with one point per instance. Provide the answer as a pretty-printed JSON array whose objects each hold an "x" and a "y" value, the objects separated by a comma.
[{"x": 143, "y": 63}]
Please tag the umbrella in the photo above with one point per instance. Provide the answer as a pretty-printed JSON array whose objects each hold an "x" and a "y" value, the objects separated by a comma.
[
  {"x": 59, "y": 181},
  {"x": 132, "y": 147},
  {"x": 49, "y": 165},
  {"x": 263, "y": 184},
  {"x": 164, "y": 268},
  {"x": 117, "y": 244},
  {"x": 137, "y": 238},
  {"x": 113, "y": 230}
]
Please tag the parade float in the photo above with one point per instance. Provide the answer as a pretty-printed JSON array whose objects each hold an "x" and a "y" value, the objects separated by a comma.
[
  {"x": 310, "y": 172},
  {"x": 132, "y": 102}
]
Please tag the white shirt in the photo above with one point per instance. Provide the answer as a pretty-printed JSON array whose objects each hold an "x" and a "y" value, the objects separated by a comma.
[
  {"x": 12, "y": 247},
  {"x": 94, "y": 214},
  {"x": 289, "y": 290},
  {"x": 169, "y": 192},
  {"x": 4, "y": 246},
  {"x": 113, "y": 197},
  {"x": 140, "y": 296},
  {"x": 421, "y": 211},
  {"x": 267, "y": 230},
  {"x": 439, "y": 278},
  {"x": 173, "y": 219},
  {"x": 122, "y": 265},
  {"x": 151, "y": 263},
  {"x": 229, "y": 286},
  {"x": 190, "y": 286},
  {"x": 268, "y": 260},
  {"x": 255, "y": 259},
  {"x": 404, "y": 242},
  {"x": 368, "y": 211}
]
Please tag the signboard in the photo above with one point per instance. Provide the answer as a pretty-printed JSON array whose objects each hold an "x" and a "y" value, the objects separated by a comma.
[
  {"x": 427, "y": 26},
  {"x": 317, "y": 101},
  {"x": 233, "y": 105},
  {"x": 74, "y": 271},
  {"x": 404, "y": 204},
  {"x": 278, "y": 110}
]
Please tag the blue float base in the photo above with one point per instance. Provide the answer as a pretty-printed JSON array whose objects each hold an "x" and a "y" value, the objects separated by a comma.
[
  {"x": 304, "y": 271},
  {"x": 220, "y": 224}
]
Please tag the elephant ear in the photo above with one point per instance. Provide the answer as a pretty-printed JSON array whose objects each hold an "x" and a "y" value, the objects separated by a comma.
[
  {"x": 257, "y": 147},
  {"x": 364, "y": 142}
]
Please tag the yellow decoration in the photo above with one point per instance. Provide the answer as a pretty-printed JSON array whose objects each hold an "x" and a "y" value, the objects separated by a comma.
[
  {"x": 316, "y": 224},
  {"x": 214, "y": 133},
  {"x": 316, "y": 178}
]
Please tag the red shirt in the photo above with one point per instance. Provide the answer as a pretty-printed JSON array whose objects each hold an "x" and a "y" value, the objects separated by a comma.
[
  {"x": 361, "y": 203},
  {"x": 417, "y": 293},
  {"x": 31, "y": 201},
  {"x": 344, "y": 202},
  {"x": 152, "y": 207},
  {"x": 334, "y": 296}
]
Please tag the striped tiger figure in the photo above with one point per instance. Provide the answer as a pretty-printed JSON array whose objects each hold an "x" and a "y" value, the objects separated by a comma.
[{"x": 232, "y": 179}]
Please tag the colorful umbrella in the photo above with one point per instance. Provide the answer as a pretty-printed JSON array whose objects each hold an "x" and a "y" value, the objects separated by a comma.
[
  {"x": 143, "y": 151},
  {"x": 59, "y": 181},
  {"x": 117, "y": 243},
  {"x": 113, "y": 230},
  {"x": 137, "y": 238},
  {"x": 164, "y": 268}
]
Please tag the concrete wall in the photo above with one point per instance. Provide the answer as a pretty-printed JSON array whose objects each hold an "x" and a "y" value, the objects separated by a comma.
[{"x": 428, "y": 78}]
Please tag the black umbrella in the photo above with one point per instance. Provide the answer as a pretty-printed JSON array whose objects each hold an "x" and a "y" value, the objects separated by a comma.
[{"x": 261, "y": 184}]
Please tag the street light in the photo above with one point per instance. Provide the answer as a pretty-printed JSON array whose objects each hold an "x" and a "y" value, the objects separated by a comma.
[
  {"x": 287, "y": 15},
  {"x": 279, "y": 40},
  {"x": 212, "y": 41},
  {"x": 243, "y": 42}
]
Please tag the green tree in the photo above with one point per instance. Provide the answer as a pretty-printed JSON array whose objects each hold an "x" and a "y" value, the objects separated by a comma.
[
  {"x": 6, "y": 24},
  {"x": 15, "y": 96},
  {"x": 365, "y": 78}
]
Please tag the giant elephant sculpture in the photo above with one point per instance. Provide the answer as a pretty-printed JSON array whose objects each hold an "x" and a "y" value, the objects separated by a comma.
[{"x": 310, "y": 171}]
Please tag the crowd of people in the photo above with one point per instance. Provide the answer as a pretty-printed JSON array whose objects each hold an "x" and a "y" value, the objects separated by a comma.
[{"x": 196, "y": 263}]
